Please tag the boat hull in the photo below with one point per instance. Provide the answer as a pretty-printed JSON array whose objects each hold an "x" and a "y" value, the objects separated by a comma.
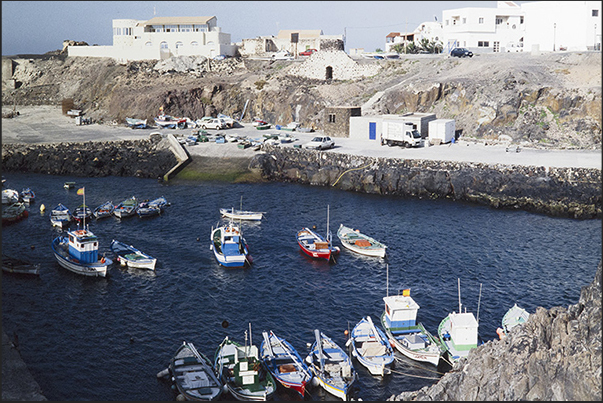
[
  {"x": 371, "y": 347},
  {"x": 353, "y": 240},
  {"x": 97, "y": 269},
  {"x": 432, "y": 357},
  {"x": 306, "y": 239},
  {"x": 193, "y": 376}
]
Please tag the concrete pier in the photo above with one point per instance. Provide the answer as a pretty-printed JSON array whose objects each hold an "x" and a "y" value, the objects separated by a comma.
[{"x": 17, "y": 382}]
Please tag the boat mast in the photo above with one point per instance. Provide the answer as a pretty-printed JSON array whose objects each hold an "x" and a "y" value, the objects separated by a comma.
[
  {"x": 478, "y": 301},
  {"x": 459, "y": 287},
  {"x": 387, "y": 280},
  {"x": 328, "y": 235}
]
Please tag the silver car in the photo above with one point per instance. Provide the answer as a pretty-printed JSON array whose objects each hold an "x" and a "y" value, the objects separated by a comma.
[
  {"x": 216, "y": 124},
  {"x": 320, "y": 143}
]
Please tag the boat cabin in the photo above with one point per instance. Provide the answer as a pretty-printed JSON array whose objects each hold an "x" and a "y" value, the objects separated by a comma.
[
  {"x": 463, "y": 330},
  {"x": 245, "y": 372},
  {"x": 83, "y": 246},
  {"x": 400, "y": 313}
]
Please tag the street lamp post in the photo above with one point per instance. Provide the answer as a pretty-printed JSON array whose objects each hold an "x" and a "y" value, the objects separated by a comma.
[{"x": 554, "y": 34}]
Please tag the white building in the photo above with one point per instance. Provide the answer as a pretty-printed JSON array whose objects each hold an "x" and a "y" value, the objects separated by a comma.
[
  {"x": 293, "y": 41},
  {"x": 541, "y": 25},
  {"x": 430, "y": 30},
  {"x": 161, "y": 38}
]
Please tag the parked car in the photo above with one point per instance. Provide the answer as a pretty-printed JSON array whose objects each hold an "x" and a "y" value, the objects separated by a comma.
[
  {"x": 282, "y": 55},
  {"x": 219, "y": 57},
  {"x": 216, "y": 124},
  {"x": 307, "y": 52},
  {"x": 461, "y": 52},
  {"x": 320, "y": 143}
]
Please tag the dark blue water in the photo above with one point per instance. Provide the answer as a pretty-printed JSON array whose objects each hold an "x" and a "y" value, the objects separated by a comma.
[{"x": 106, "y": 339}]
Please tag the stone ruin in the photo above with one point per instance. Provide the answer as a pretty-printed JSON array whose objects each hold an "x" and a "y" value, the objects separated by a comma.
[{"x": 333, "y": 65}]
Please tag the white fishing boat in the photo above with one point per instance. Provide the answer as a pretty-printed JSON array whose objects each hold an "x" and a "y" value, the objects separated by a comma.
[
  {"x": 193, "y": 375},
  {"x": 331, "y": 366},
  {"x": 371, "y": 347},
  {"x": 458, "y": 332},
  {"x": 60, "y": 216},
  {"x": 10, "y": 196},
  {"x": 126, "y": 208},
  {"x": 514, "y": 316},
  {"x": 241, "y": 214},
  {"x": 128, "y": 255},
  {"x": 229, "y": 246},
  {"x": 357, "y": 242}
]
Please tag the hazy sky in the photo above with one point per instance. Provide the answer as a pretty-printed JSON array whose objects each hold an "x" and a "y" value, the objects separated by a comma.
[{"x": 36, "y": 27}]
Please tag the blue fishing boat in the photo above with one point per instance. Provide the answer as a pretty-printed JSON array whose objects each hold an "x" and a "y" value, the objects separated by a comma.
[
  {"x": 104, "y": 210},
  {"x": 151, "y": 208},
  {"x": 60, "y": 216},
  {"x": 229, "y": 246},
  {"x": 28, "y": 196},
  {"x": 78, "y": 252},
  {"x": 284, "y": 363}
]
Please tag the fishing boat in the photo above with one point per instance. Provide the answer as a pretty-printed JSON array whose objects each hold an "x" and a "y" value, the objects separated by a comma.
[
  {"x": 151, "y": 208},
  {"x": 169, "y": 122},
  {"x": 241, "y": 214},
  {"x": 240, "y": 369},
  {"x": 315, "y": 245},
  {"x": 104, "y": 210},
  {"x": 81, "y": 213},
  {"x": 126, "y": 208},
  {"x": 13, "y": 213},
  {"x": 458, "y": 332},
  {"x": 357, "y": 242},
  {"x": 10, "y": 196},
  {"x": 28, "y": 196},
  {"x": 405, "y": 334},
  {"x": 371, "y": 347},
  {"x": 136, "y": 123},
  {"x": 331, "y": 366},
  {"x": 514, "y": 316},
  {"x": 78, "y": 252},
  {"x": 128, "y": 255},
  {"x": 229, "y": 246},
  {"x": 69, "y": 185},
  {"x": 263, "y": 126},
  {"x": 60, "y": 216},
  {"x": 284, "y": 363},
  {"x": 19, "y": 266},
  {"x": 193, "y": 375}
]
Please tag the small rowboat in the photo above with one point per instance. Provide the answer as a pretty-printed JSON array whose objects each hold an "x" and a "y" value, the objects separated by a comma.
[
  {"x": 19, "y": 266},
  {"x": 127, "y": 255},
  {"x": 193, "y": 375},
  {"x": 360, "y": 243},
  {"x": 371, "y": 347},
  {"x": 315, "y": 245},
  {"x": 104, "y": 210}
]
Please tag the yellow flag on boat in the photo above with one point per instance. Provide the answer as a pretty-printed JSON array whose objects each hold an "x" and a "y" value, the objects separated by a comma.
[
  {"x": 80, "y": 191},
  {"x": 406, "y": 293}
]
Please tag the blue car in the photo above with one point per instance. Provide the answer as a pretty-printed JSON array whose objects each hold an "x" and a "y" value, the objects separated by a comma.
[{"x": 461, "y": 52}]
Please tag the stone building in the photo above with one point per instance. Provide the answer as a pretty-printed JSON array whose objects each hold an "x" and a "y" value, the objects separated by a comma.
[
  {"x": 337, "y": 120},
  {"x": 333, "y": 65},
  {"x": 294, "y": 41}
]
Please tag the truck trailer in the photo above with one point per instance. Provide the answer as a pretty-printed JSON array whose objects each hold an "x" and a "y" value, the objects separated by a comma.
[
  {"x": 441, "y": 131},
  {"x": 400, "y": 134}
]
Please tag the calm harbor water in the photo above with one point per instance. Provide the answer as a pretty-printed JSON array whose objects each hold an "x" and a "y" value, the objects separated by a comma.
[{"x": 107, "y": 338}]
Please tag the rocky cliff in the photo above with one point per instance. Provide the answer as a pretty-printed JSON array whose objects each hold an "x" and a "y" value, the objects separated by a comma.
[
  {"x": 548, "y": 100},
  {"x": 555, "y": 355}
]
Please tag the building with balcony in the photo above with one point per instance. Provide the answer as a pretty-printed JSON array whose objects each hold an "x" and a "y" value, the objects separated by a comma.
[{"x": 160, "y": 38}]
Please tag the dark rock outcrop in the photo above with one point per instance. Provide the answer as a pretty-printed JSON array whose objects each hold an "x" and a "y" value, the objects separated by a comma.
[
  {"x": 563, "y": 192},
  {"x": 555, "y": 355}
]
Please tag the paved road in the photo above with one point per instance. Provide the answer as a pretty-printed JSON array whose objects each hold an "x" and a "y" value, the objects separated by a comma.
[{"x": 46, "y": 124}]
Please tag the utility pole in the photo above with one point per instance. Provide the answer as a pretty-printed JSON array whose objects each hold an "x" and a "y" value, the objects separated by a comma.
[{"x": 554, "y": 34}]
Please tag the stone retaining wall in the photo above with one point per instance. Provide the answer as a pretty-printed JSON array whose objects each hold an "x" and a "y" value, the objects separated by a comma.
[{"x": 563, "y": 192}]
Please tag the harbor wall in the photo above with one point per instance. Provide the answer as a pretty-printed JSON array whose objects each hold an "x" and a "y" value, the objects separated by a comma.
[{"x": 561, "y": 192}]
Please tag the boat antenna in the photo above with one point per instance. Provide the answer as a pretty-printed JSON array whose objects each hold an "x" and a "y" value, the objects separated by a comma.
[
  {"x": 250, "y": 342},
  {"x": 478, "y": 301},
  {"x": 459, "y": 287}
]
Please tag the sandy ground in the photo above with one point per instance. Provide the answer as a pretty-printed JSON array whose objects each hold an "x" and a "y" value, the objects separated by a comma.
[{"x": 46, "y": 124}]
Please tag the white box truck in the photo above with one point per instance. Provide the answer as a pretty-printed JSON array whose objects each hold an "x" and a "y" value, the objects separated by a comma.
[
  {"x": 400, "y": 134},
  {"x": 441, "y": 131}
]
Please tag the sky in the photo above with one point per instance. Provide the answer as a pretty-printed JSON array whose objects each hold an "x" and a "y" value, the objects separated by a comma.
[{"x": 37, "y": 27}]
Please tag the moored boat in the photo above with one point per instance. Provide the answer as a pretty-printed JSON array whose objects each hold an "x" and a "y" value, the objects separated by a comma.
[
  {"x": 371, "y": 347},
  {"x": 136, "y": 123},
  {"x": 10, "y": 196},
  {"x": 241, "y": 214},
  {"x": 193, "y": 375},
  {"x": 360, "y": 243},
  {"x": 78, "y": 252},
  {"x": 104, "y": 210},
  {"x": 284, "y": 363},
  {"x": 126, "y": 208},
  {"x": 13, "y": 213},
  {"x": 514, "y": 316},
  {"x": 240, "y": 369},
  {"x": 19, "y": 266},
  {"x": 229, "y": 246},
  {"x": 128, "y": 255},
  {"x": 151, "y": 208},
  {"x": 82, "y": 213},
  {"x": 60, "y": 216},
  {"x": 28, "y": 196},
  {"x": 315, "y": 245},
  {"x": 331, "y": 366}
]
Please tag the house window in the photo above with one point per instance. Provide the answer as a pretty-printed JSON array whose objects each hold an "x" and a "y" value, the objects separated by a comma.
[
  {"x": 464, "y": 20},
  {"x": 521, "y": 20},
  {"x": 149, "y": 43},
  {"x": 186, "y": 28},
  {"x": 178, "y": 45},
  {"x": 481, "y": 20},
  {"x": 331, "y": 118},
  {"x": 446, "y": 22},
  {"x": 163, "y": 45},
  {"x": 194, "y": 44},
  {"x": 200, "y": 28},
  {"x": 157, "y": 28},
  {"x": 496, "y": 47},
  {"x": 499, "y": 21},
  {"x": 595, "y": 13},
  {"x": 483, "y": 44},
  {"x": 171, "y": 28}
]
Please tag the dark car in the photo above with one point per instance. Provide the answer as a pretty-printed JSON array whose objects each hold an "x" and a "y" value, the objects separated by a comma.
[{"x": 461, "y": 52}]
